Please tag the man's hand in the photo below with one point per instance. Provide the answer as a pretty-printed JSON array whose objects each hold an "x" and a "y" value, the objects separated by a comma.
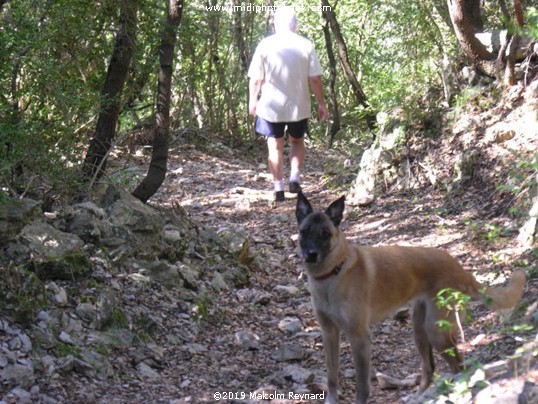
[{"x": 252, "y": 108}]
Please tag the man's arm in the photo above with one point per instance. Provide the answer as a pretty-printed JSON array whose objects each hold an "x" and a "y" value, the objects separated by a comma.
[
  {"x": 254, "y": 90},
  {"x": 316, "y": 85}
]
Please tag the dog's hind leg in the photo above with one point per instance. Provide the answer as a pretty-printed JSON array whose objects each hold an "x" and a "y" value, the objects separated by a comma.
[
  {"x": 360, "y": 347},
  {"x": 423, "y": 344},
  {"x": 442, "y": 339},
  {"x": 331, "y": 345}
]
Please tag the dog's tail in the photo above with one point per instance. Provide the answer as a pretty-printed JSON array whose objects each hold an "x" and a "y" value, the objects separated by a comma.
[{"x": 506, "y": 297}]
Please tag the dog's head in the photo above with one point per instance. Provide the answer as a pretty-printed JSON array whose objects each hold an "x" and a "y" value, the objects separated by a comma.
[{"x": 318, "y": 231}]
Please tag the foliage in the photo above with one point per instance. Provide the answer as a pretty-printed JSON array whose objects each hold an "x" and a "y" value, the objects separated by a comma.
[
  {"x": 55, "y": 56},
  {"x": 22, "y": 294}
]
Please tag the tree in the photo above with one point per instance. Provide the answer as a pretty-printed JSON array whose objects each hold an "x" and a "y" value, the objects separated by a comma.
[
  {"x": 118, "y": 68},
  {"x": 360, "y": 97},
  {"x": 159, "y": 157},
  {"x": 465, "y": 17},
  {"x": 333, "y": 101}
]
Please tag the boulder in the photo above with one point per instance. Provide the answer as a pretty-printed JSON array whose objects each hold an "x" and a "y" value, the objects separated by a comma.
[{"x": 14, "y": 215}]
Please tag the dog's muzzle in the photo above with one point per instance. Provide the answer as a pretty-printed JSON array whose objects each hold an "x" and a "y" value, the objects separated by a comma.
[{"x": 310, "y": 256}]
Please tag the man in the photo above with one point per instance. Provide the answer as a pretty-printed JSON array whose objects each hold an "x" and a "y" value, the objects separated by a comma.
[{"x": 284, "y": 67}]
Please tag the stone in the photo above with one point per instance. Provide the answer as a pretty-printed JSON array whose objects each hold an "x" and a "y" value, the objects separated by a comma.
[
  {"x": 17, "y": 374},
  {"x": 15, "y": 214},
  {"x": 290, "y": 325},
  {"x": 289, "y": 352},
  {"x": 48, "y": 242}
]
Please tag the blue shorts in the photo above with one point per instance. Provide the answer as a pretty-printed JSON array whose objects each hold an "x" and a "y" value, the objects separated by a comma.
[{"x": 296, "y": 130}]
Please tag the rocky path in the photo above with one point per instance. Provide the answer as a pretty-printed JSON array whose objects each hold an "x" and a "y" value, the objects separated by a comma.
[
  {"x": 263, "y": 338},
  {"x": 260, "y": 340}
]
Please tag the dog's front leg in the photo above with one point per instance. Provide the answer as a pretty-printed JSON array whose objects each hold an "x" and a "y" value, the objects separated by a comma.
[
  {"x": 360, "y": 348},
  {"x": 331, "y": 345}
]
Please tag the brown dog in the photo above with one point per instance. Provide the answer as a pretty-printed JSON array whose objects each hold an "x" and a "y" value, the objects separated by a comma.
[{"x": 354, "y": 286}]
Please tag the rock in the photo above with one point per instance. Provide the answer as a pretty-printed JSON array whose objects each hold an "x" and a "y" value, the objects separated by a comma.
[
  {"x": 21, "y": 396},
  {"x": 505, "y": 393},
  {"x": 499, "y": 133},
  {"x": 247, "y": 340},
  {"x": 18, "y": 375},
  {"x": 288, "y": 352},
  {"x": 48, "y": 242},
  {"x": 147, "y": 372},
  {"x": 528, "y": 233},
  {"x": 189, "y": 275},
  {"x": 234, "y": 239},
  {"x": 69, "y": 267},
  {"x": 15, "y": 214},
  {"x": 142, "y": 222},
  {"x": 59, "y": 294},
  {"x": 164, "y": 273},
  {"x": 90, "y": 226},
  {"x": 290, "y": 325},
  {"x": 379, "y": 166},
  {"x": 286, "y": 290},
  {"x": 298, "y": 374},
  {"x": 237, "y": 276},
  {"x": 218, "y": 283}
]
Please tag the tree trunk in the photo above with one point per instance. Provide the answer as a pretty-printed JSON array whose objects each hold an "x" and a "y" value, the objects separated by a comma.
[
  {"x": 105, "y": 131},
  {"x": 159, "y": 157},
  {"x": 509, "y": 74},
  {"x": 333, "y": 101},
  {"x": 464, "y": 20},
  {"x": 330, "y": 17},
  {"x": 239, "y": 38}
]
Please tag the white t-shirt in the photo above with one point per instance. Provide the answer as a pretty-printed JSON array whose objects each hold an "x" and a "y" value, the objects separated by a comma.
[{"x": 284, "y": 61}]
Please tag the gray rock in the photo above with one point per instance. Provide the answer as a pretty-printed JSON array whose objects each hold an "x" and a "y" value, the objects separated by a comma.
[
  {"x": 247, "y": 340},
  {"x": 289, "y": 352},
  {"x": 48, "y": 242},
  {"x": 14, "y": 215},
  {"x": 290, "y": 325},
  {"x": 147, "y": 372},
  {"x": 218, "y": 283},
  {"x": 18, "y": 375}
]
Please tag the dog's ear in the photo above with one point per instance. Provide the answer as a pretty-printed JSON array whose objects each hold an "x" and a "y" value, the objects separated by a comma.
[
  {"x": 335, "y": 211},
  {"x": 303, "y": 208}
]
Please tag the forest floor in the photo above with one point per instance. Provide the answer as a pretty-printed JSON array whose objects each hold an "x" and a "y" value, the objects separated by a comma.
[{"x": 222, "y": 188}]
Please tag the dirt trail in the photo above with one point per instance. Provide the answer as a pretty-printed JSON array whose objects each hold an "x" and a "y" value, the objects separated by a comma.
[{"x": 224, "y": 188}]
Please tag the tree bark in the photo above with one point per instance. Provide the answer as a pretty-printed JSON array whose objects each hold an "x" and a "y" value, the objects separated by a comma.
[
  {"x": 509, "y": 75},
  {"x": 343, "y": 57},
  {"x": 333, "y": 101},
  {"x": 464, "y": 20},
  {"x": 159, "y": 157},
  {"x": 239, "y": 38},
  {"x": 105, "y": 131}
]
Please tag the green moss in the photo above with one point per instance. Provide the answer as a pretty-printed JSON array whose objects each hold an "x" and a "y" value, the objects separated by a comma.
[{"x": 70, "y": 267}]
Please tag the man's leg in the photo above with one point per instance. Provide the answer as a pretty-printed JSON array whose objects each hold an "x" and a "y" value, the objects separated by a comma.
[
  {"x": 297, "y": 152},
  {"x": 275, "y": 147},
  {"x": 297, "y": 132}
]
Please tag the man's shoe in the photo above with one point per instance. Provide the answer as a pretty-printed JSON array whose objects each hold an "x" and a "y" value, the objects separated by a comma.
[
  {"x": 294, "y": 187},
  {"x": 279, "y": 196}
]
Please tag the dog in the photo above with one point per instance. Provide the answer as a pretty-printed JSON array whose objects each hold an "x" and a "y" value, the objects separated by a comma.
[{"x": 353, "y": 286}]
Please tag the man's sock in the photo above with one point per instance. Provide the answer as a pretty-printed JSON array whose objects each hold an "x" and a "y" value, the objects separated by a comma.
[
  {"x": 279, "y": 185},
  {"x": 295, "y": 176}
]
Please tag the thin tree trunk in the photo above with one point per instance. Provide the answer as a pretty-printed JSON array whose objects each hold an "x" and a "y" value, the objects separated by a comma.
[
  {"x": 509, "y": 75},
  {"x": 330, "y": 17},
  {"x": 105, "y": 131},
  {"x": 335, "y": 125},
  {"x": 159, "y": 157},
  {"x": 239, "y": 38}
]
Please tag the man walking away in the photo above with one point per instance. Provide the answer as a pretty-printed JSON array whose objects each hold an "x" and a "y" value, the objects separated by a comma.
[{"x": 284, "y": 68}]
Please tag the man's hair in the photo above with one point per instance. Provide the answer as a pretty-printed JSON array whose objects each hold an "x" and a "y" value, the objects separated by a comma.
[{"x": 285, "y": 19}]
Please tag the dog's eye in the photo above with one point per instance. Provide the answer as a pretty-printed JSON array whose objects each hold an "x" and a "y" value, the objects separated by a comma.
[{"x": 326, "y": 234}]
